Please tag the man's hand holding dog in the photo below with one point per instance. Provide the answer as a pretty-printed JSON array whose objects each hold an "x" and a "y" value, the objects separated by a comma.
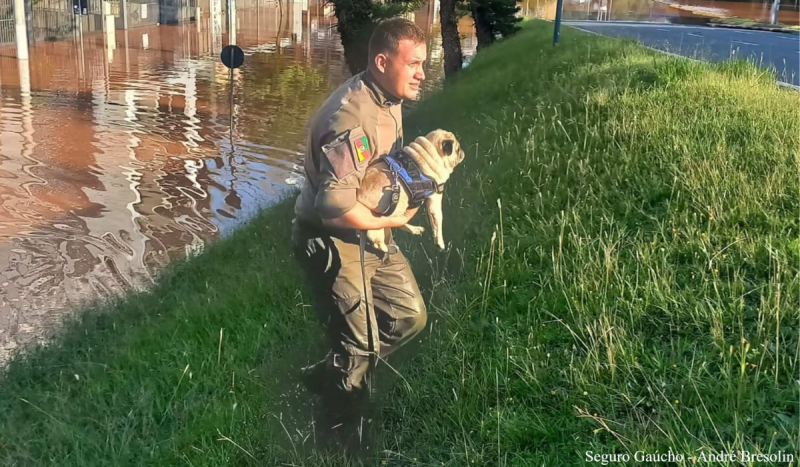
[{"x": 359, "y": 217}]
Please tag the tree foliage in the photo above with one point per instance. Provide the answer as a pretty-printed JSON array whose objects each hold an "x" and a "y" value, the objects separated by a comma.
[
  {"x": 357, "y": 19},
  {"x": 493, "y": 19}
]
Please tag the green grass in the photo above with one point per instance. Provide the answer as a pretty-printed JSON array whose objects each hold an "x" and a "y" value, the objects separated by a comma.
[{"x": 622, "y": 276}]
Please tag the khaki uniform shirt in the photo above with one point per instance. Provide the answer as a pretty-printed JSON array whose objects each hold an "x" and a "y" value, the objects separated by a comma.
[{"x": 358, "y": 123}]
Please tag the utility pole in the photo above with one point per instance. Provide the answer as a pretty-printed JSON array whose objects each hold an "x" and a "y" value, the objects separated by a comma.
[
  {"x": 21, "y": 29},
  {"x": 123, "y": 11},
  {"x": 109, "y": 24},
  {"x": 773, "y": 17},
  {"x": 231, "y": 22}
]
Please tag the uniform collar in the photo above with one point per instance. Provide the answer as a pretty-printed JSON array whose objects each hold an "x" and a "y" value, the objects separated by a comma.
[{"x": 381, "y": 97}]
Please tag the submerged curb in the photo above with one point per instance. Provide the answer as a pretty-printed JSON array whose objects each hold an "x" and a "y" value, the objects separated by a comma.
[{"x": 796, "y": 32}]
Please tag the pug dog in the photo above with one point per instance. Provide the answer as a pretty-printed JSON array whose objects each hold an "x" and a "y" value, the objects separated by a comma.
[{"x": 437, "y": 154}]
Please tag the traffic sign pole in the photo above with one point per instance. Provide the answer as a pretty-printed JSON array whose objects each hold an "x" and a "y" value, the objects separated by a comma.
[
  {"x": 557, "y": 29},
  {"x": 232, "y": 57}
]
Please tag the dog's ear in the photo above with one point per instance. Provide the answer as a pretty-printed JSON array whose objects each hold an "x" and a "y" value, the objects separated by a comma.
[{"x": 447, "y": 147}]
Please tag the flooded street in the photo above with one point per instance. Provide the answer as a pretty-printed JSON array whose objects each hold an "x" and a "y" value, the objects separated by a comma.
[{"x": 115, "y": 155}]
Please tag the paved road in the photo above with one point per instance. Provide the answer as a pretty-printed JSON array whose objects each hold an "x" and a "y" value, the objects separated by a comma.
[{"x": 713, "y": 44}]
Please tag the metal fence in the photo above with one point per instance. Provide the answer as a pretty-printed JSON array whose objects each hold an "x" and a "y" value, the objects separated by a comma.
[
  {"x": 6, "y": 22},
  {"x": 53, "y": 19},
  {"x": 142, "y": 13},
  {"x": 176, "y": 11}
]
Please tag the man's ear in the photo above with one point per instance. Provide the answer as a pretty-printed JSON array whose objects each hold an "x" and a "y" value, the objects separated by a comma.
[
  {"x": 380, "y": 62},
  {"x": 447, "y": 147}
]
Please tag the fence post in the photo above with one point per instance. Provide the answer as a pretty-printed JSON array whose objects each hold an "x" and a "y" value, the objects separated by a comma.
[{"x": 29, "y": 20}]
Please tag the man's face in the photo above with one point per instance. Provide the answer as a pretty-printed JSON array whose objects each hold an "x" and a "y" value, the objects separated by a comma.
[{"x": 402, "y": 71}]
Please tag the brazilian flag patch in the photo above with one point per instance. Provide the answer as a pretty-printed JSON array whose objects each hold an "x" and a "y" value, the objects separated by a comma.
[{"x": 362, "y": 148}]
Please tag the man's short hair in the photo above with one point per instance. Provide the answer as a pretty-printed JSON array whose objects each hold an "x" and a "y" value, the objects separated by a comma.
[{"x": 387, "y": 36}]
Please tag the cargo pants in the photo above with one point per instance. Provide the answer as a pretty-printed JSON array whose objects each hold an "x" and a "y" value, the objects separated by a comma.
[{"x": 332, "y": 266}]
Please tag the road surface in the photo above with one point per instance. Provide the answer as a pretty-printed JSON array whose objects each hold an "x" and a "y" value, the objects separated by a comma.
[{"x": 770, "y": 49}]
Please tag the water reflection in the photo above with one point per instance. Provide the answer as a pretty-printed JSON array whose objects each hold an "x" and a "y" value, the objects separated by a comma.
[{"x": 115, "y": 155}]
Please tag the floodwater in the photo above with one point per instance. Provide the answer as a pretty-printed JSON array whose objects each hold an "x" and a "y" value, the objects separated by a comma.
[{"x": 116, "y": 156}]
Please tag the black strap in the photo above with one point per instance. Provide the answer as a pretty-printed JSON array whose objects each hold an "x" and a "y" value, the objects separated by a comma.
[
  {"x": 395, "y": 196},
  {"x": 370, "y": 317}
]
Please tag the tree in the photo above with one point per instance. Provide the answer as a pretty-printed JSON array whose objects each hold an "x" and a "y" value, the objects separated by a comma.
[
  {"x": 493, "y": 19},
  {"x": 451, "y": 42},
  {"x": 357, "y": 19}
]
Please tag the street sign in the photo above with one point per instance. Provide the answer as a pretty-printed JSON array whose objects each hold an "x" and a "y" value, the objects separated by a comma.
[{"x": 232, "y": 56}]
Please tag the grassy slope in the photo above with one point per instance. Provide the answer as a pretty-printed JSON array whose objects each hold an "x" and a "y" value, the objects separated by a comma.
[{"x": 622, "y": 276}]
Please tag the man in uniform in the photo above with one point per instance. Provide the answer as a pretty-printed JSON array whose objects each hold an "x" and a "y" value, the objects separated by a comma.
[{"x": 359, "y": 122}]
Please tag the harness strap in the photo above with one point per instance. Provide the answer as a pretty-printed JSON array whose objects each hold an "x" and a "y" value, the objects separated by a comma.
[
  {"x": 395, "y": 187},
  {"x": 404, "y": 170}
]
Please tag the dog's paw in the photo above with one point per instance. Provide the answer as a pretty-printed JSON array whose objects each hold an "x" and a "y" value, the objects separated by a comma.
[
  {"x": 440, "y": 244},
  {"x": 380, "y": 245},
  {"x": 415, "y": 230}
]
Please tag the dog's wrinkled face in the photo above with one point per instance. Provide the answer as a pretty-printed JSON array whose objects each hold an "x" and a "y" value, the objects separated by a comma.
[{"x": 448, "y": 147}]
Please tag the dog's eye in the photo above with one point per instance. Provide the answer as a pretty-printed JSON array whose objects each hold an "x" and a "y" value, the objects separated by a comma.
[{"x": 447, "y": 147}]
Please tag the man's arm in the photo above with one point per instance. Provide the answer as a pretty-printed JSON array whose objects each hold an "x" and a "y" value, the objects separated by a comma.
[
  {"x": 360, "y": 217},
  {"x": 340, "y": 174}
]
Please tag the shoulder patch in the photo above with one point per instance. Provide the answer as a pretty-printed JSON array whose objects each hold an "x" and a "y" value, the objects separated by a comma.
[{"x": 360, "y": 144}]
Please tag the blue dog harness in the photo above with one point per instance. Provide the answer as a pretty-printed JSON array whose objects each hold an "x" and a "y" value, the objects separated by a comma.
[{"x": 404, "y": 170}]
